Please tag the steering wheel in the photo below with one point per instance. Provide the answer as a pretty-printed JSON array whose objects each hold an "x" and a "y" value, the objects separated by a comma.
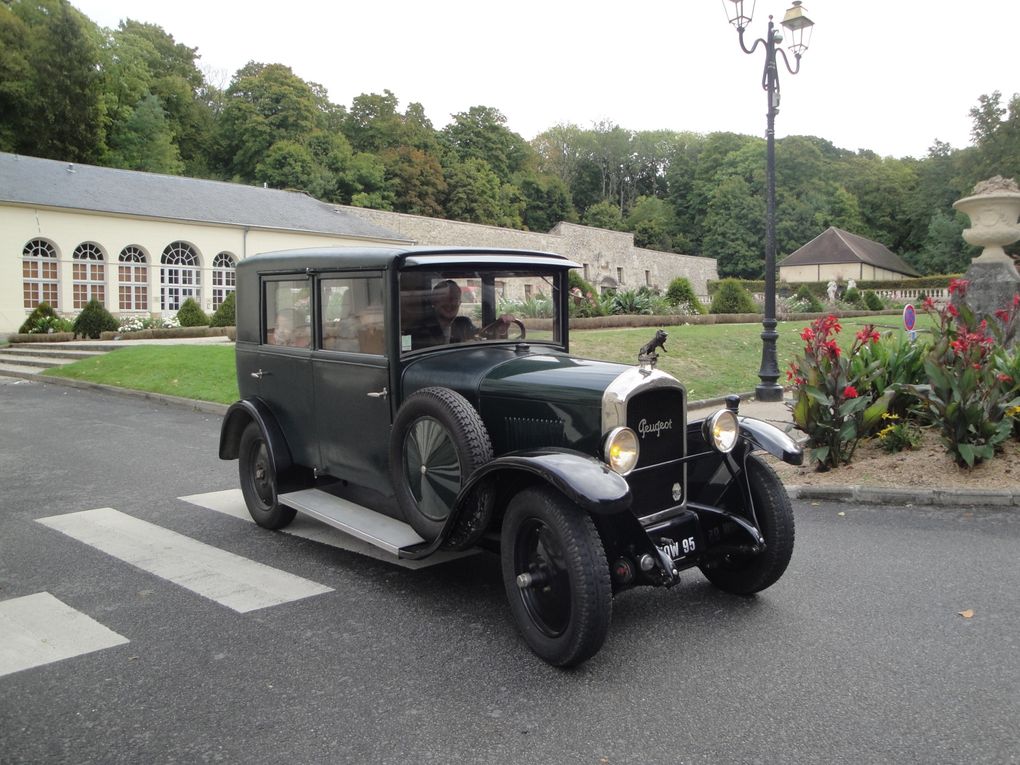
[{"x": 499, "y": 330}]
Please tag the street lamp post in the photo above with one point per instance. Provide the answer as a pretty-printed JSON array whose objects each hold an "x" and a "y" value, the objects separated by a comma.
[{"x": 799, "y": 26}]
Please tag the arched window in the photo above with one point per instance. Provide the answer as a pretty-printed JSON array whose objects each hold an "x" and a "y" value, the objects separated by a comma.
[
  {"x": 133, "y": 275},
  {"x": 179, "y": 278},
  {"x": 88, "y": 274},
  {"x": 224, "y": 278},
  {"x": 40, "y": 273}
]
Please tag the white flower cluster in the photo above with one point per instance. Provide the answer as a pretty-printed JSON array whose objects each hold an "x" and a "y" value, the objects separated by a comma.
[{"x": 138, "y": 323}]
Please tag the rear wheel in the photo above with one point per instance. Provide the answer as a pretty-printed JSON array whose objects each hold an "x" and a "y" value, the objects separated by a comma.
[
  {"x": 556, "y": 577},
  {"x": 258, "y": 481},
  {"x": 746, "y": 575}
]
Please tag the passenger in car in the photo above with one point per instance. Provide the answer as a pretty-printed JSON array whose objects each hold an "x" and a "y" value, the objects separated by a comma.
[{"x": 291, "y": 330}]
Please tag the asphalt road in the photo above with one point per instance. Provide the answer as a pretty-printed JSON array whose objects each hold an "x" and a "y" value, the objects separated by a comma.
[{"x": 858, "y": 655}]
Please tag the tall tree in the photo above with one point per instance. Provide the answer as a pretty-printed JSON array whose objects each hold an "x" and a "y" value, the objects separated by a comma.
[
  {"x": 734, "y": 230},
  {"x": 481, "y": 133},
  {"x": 264, "y": 104},
  {"x": 62, "y": 110}
]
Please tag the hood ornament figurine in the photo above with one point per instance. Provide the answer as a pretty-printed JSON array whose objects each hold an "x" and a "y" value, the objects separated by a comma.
[{"x": 647, "y": 357}]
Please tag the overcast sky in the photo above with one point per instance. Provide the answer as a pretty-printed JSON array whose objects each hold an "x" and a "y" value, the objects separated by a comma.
[{"x": 886, "y": 75}]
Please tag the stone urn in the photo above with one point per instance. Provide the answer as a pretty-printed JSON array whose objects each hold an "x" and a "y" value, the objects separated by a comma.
[{"x": 993, "y": 209}]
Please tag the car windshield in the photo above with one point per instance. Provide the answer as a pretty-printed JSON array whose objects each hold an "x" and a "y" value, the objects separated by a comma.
[{"x": 457, "y": 305}]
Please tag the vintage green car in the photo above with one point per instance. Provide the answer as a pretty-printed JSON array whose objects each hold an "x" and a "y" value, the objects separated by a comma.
[{"x": 400, "y": 395}]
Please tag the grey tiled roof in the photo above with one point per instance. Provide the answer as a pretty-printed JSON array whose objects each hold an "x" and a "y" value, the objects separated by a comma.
[
  {"x": 51, "y": 183},
  {"x": 834, "y": 245}
]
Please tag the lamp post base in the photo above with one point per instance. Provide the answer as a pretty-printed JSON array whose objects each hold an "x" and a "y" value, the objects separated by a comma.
[{"x": 768, "y": 392}]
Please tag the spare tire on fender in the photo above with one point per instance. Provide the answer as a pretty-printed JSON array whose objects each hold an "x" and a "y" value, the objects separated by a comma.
[{"x": 438, "y": 441}]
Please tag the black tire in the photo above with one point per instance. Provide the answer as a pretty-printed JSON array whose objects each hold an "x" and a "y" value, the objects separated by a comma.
[
  {"x": 564, "y": 617},
  {"x": 438, "y": 441},
  {"x": 751, "y": 574},
  {"x": 258, "y": 481}
]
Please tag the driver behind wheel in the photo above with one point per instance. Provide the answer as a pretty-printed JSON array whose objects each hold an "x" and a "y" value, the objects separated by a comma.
[{"x": 443, "y": 323}]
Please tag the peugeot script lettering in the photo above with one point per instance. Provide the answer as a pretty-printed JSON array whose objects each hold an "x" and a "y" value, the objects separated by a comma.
[{"x": 656, "y": 427}]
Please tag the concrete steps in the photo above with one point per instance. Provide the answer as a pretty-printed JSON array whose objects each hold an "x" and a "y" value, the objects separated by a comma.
[{"x": 29, "y": 359}]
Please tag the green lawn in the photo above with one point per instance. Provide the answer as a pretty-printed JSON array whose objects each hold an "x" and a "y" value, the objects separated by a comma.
[
  {"x": 715, "y": 359},
  {"x": 710, "y": 359},
  {"x": 204, "y": 372}
]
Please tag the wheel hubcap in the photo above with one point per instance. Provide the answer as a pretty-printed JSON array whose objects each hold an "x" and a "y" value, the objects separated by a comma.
[
  {"x": 431, "y": 468},
  {"x": 540, "y": 566}
]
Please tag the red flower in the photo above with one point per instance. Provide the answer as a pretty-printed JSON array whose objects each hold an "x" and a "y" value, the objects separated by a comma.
[
  {"x": 807, "y": 335},
  {"x": 1003, "y": 377},
  {"x": 928, "y": 304},
  {"x": 868, "y": 335},
  {"x": 850, "y": 392},
  {"x": 952, "y": 310},
  {"x": 958, "y": 285}
]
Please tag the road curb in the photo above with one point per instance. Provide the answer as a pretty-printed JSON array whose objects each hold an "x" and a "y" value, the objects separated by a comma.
[
  {"x": 195, "y": 405},
  {"x": 873, "y": 495}
]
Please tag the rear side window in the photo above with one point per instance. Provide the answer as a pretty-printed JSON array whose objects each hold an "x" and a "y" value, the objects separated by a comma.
[
  {"x": 288, "y": 313},
  {"x": 353, "y": 320}
]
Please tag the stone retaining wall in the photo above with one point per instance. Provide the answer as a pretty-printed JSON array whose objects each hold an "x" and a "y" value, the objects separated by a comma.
[{"x": 609, "y": 259}]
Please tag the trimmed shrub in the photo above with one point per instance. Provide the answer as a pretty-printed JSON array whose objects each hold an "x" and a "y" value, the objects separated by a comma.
[
  {"x": 807, "y": 298},
  {"x": 225, "y": 315},
  {"x": 731, "y": 297},
  {"x": 873, "y": 301},
  {"x": 191, "y": 315},
  {"x": 39, "y": 313},
  {"x": 94, "y": 320},
  {"x": 853, "y": 297},
  {"x": 681, "y": 293}
]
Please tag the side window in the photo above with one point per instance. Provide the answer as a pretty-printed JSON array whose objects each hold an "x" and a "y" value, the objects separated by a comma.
[
  {"x": 288, "y": 313},
  {"x": 352, "y": 315}
]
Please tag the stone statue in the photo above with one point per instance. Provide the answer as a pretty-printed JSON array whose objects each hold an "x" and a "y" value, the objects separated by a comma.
[{"x": 831, "y": 290}]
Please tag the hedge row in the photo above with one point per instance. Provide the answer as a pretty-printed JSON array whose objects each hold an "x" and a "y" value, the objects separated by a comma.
[{"x": 819, "y": 288}]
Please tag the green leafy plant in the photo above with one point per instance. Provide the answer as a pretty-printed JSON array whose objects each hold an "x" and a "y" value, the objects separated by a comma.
[
  {"x": 828, "y": 404},
  {"x": 895, "y": 360},
  {"x": 191, "y": 315},
  {"x": 731, "y": 297},
  {"x": 225, "y": 315},
  {"x": 93, "y": 320},
  {"x": 898, "y": 435},
  {"x": 964, "y": 395},
  {"x": 631, "y": 303}
]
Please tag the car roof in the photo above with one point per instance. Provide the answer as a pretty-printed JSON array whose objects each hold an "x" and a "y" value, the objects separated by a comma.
[{"x": 333, "y": 258}]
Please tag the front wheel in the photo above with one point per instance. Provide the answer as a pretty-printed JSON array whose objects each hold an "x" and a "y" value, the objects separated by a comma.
[
  {"x": 556, "y": 577},
  {"x": 746, "y": 575},
  {"x": 258, "y": 481}
]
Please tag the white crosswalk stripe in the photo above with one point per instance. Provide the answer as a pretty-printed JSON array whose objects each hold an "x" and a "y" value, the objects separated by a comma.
[
  {"x": 231, "y": 580},
  {"x": 231, "y": 502},
  {"x": 39, "y": 629}
]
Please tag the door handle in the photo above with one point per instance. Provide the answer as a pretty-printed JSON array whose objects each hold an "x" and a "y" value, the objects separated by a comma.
[
  {"x": 379, "y": 393},
  {"x": 259, "y": 375}
]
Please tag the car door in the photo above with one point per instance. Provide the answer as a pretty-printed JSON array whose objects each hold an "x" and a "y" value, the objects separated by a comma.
[
  {"x": 283, "y": 361},
  {"x": 350, "y": 371}
]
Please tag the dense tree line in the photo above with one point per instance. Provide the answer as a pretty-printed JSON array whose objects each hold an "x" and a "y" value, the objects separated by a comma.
[{"x": 134, "y": 98}]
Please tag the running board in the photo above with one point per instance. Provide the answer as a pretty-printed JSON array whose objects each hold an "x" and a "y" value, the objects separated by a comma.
[{"x": 367, "y": 525}]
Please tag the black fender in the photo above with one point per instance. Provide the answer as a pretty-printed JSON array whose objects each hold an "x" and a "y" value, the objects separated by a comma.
[
  {"x": 767, "y": 437},
  {"x": 582, "y": 479},
  {"x": 236, "y": 420}
]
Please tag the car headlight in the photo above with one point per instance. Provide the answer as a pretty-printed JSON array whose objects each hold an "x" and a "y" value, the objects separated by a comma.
[
  {"x": 721, "y": 430},
  {"x": 621, "y": 450}
]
